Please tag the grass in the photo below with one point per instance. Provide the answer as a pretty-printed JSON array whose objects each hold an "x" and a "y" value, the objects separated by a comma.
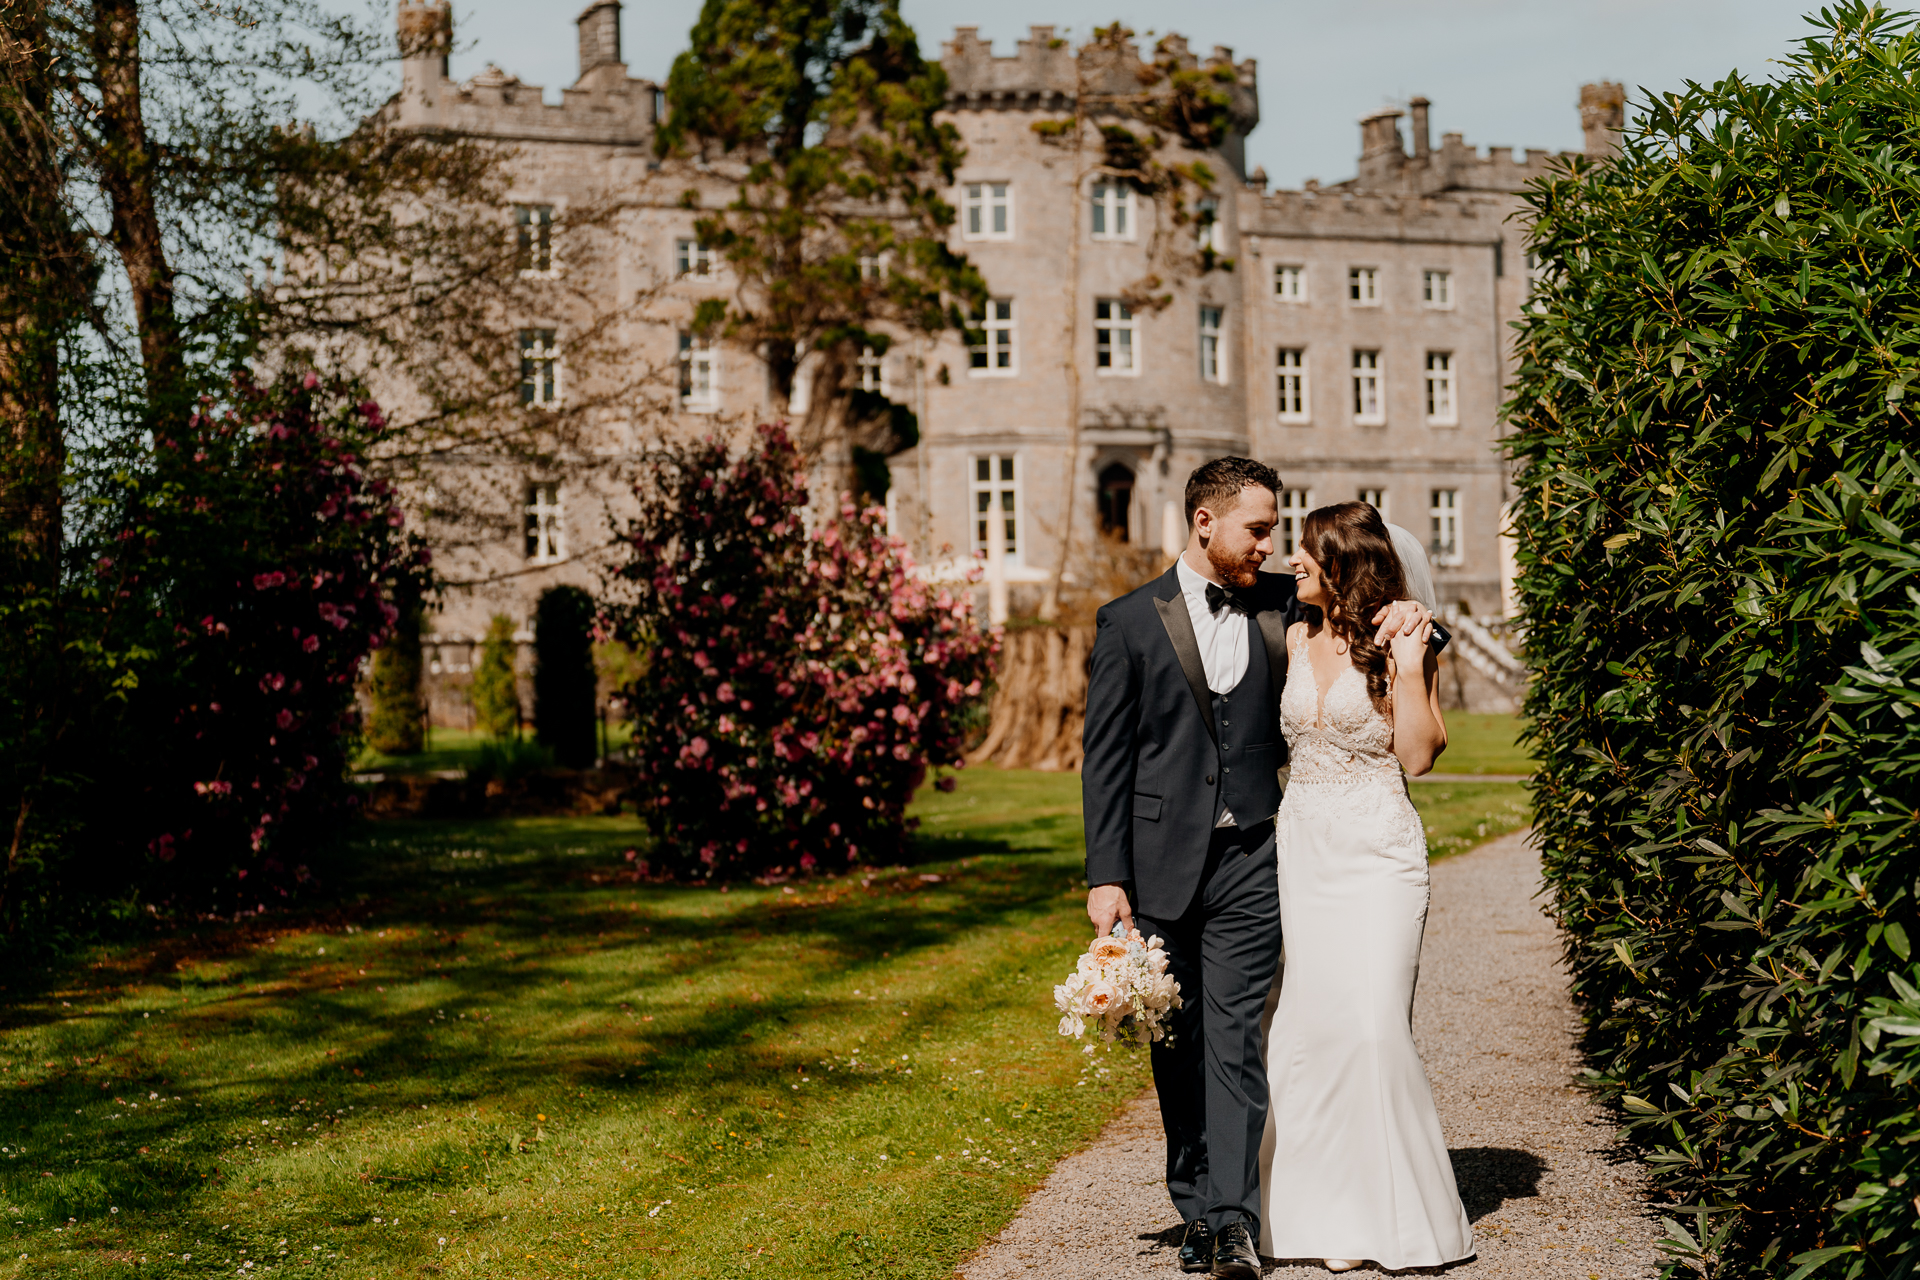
[
  {"x": 457, "y": 749},
  {"x": 1484, "y": 744},
  {"x": 500, "y": 1056}
]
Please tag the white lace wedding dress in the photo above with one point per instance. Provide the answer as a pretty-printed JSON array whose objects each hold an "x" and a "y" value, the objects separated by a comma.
[{"x": 1354, "y": 1164}]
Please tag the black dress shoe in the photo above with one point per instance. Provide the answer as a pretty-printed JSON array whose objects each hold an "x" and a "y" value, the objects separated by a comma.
[
  {"x": 1196, "y": 1248},
  {"x": 1234, "y": 1256}
]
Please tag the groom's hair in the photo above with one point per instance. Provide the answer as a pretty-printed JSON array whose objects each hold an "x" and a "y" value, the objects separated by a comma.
[{"x": 1216, "y": 485}]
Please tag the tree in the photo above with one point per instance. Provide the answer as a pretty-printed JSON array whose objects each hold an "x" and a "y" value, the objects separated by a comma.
[
  {"x": 496, "y": 686},
  {"x": 397, "y": 726},
  {"x": 1720, "y": 574},
  {"x": 798, "y": 688},
  {"x": 837, "y": 231},
  {"x": 565, "y": 684}
]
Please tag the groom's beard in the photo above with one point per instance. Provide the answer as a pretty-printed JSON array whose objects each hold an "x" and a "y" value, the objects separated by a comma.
[{"x": 1235, "y": 571}]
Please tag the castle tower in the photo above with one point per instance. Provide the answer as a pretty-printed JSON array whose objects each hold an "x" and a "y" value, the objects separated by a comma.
[
  {"x": 1603, "y": 113},
  {"x": 600, "y": 43},
  {"x": 425, "y": 29}
]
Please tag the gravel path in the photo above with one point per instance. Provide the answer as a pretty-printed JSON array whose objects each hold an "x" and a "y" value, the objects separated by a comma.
[{"x": 1547, "y": 1194}]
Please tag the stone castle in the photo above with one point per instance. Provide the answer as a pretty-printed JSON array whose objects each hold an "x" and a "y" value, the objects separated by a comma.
[{"x": 1358, "y": 342}]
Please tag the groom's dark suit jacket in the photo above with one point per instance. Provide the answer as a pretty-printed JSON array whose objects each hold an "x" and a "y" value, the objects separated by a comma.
[{"x": 1164, "y": 755}]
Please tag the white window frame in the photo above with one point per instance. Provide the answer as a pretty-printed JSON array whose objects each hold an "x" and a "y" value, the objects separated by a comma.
[
  {"x": 1213, "y": 347},
  {"x": 870, "y": 370},
  {"x": 1116, "y": 335},
  {"x": 699, "y": 363},
  {"x": 1211, "y": 233},
  {"x": 999, "y": 356},
  {"x": 1363, "y": 286},
  {"x": 997, "y": 494},
  {"x": 986, "y": 211},
  {"x": 540, "y": 369},
  {"x": 1443, "y": 404},
  {"x": 1113, "y": 211},
  {"x": 1294, "y": 505},
  {"x": 1290, "y": 283},
  {"x": 1369, "y": 403},
  {"x": 1290, "y": 375},
  {"x": 1443, "y": 511},
  {"x": 543, "y": 523},
  {"x": 533, "y": 237},
  {"x": 875, "y": 266},
  {"x": 1436, "y": 288},
  {"x": 1375, "y": 496},
  {"x": 693, "y": 260}
]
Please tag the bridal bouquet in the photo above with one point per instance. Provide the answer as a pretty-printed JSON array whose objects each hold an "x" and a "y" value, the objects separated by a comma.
[{"x": 1120, "y": 987}]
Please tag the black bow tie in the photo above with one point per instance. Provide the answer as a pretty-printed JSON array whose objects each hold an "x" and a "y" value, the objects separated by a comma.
[{"x": 1218, "y": 595}]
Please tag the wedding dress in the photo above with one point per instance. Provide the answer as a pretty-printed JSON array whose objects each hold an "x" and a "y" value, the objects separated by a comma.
[{"x": 1354, "y": 1164}]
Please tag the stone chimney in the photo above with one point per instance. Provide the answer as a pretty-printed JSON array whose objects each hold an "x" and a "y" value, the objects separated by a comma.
[
  {"x": 1603, "y": 114},
  {"x": 600, "y": 37},
  {"x": 1421, "y": 143},
  {"x": 425, "y": 29},
  {"x": 1382, "y": 156}
]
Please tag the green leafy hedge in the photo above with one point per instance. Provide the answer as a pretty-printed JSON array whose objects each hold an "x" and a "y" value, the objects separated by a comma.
[{"x": 1719, "y": 527}]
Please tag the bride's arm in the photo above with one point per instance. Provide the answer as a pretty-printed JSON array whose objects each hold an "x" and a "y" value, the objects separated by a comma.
[{"x": 1419, "y": 731}]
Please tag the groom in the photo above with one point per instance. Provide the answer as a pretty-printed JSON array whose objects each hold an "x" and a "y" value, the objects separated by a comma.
[{"x": 1182, "y": 744}]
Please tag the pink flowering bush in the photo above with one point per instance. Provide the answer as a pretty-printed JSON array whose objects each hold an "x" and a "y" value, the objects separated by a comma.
[
  {"x": 234, "y": 578},
  {"x": 799, "y": 685}
]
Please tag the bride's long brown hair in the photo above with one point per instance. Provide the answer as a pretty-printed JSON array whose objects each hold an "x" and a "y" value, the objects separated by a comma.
[{"x": 1350, "y": 543}]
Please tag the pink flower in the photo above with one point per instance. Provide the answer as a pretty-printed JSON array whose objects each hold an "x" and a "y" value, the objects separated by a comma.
[{"x": 698, "y": 747}]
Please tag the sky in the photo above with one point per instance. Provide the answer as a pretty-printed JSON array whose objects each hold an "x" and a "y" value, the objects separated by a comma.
[{"x": 1503, "y": 72}]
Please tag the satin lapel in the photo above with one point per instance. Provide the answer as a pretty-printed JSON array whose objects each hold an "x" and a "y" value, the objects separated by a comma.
[
  {"x": 1273, "y": 630},
  {"x": 1173, "y": 616}
]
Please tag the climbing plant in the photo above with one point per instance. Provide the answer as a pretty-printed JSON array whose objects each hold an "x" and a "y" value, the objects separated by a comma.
[{"x": 1719, "y": 537}]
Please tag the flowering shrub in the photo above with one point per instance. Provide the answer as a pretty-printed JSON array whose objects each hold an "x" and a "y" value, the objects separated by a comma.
[
  {"x": 799, "y": 685},
  {"x": 237, "y": 580}
]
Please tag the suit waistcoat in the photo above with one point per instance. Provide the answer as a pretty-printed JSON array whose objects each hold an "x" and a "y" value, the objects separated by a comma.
[{"x": 1247, "y": 727}]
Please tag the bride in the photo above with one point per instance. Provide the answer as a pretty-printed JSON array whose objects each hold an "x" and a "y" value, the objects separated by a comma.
[{"x": 1354, "y": 1167}]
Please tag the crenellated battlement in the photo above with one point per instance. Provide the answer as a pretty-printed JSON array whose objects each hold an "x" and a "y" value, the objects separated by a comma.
[{"x": 1047, "y": 73}]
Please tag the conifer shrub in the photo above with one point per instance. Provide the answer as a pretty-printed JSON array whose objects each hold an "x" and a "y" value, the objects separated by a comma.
[
  {"x": 1719, "y": 533},
  {"x": 565, "y": 683},
  {"x": 495, "y": 691},
  {"x": 799, "y": 685},
  {"x": 397, "y": 719}
]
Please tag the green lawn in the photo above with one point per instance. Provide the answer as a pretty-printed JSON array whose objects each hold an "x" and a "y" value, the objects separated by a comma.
[
  {"x": 457, "y": 749},
  {"x": 1484, "y": 744},
  {"x": 501, "y": 1057}
]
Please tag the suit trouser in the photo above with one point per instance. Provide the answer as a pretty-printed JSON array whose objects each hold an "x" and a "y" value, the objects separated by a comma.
[{"x": 1212, "y": 1084}]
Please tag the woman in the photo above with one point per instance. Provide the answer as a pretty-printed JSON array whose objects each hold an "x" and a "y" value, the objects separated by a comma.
[{"x": 1357, "y": 1168}]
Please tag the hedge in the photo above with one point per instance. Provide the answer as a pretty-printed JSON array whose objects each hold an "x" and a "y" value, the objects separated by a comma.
[{"x": 1718, "y": 517}]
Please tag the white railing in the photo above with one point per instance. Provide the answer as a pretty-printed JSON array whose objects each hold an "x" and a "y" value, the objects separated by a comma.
[{"x": 1483, "y": 650}]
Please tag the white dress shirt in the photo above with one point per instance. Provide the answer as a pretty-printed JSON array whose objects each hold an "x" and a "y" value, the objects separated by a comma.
[{"x": 1222, "y": 638}]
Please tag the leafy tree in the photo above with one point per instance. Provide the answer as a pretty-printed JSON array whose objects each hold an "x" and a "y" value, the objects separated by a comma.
[
  {"x": 838, "y": 231},
  {"x": 496, "y": 686},
  {"x": 1717, "y": 523},
  {"x": 565, "y": 684},
  {"x": 397, "y": 725},
  {"x": 798, "y": 688}
]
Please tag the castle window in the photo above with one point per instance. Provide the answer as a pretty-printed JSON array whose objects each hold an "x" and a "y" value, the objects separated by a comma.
[
  {"x": 872, "y": 368},
  {"x": 996, "y": 497},
  {"x": 539, "y": 367},
  {"x": 1291, "y": 384},
  {"x": 1116, "y": 501},
  {"x": 699, "y": 374},
  {"x": 1369, "y": 406},
  {"x": 1377, "y": 499},
  {"x": 533, "y": 238},
  {"x": 1213, "y": 361},
  {"x": 993, "y": 355},
  {"x": 543, "y": 523},
  {"x": 1363, "y": 286},
  {"x": 1436, "y": 289},
  {"x": 1210, "y": 234},
  {"x": 1290, "y": 282},
  {"x": 988, "y": 211},
  {"x": 1444, "y": 510},
  {"x": 1112, "y": 211},
  {"x": 1294, "y": 505},
  {"x": 1440, "y": 406},
  {"x": 691, "y": 258},
  {"x": 1113, "y": 346}
]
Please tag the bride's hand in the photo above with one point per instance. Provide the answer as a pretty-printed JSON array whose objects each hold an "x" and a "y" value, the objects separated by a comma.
[{"x": 1409, "y": 649}]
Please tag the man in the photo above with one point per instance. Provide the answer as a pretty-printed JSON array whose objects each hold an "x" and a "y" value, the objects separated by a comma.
[{"x": 1180, "y": 790}]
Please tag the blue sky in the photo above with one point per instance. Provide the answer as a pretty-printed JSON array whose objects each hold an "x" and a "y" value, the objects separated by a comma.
[{"x": 1503, "y": 72}]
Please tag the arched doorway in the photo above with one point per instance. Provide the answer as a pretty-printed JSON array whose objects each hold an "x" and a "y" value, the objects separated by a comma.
[{"x": 1116, "y": 501}]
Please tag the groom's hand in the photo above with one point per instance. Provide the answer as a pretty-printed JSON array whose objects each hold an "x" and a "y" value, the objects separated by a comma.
[
  {"x": 1107, "y": 903},
  {"x": 1401, "y": 618}
]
